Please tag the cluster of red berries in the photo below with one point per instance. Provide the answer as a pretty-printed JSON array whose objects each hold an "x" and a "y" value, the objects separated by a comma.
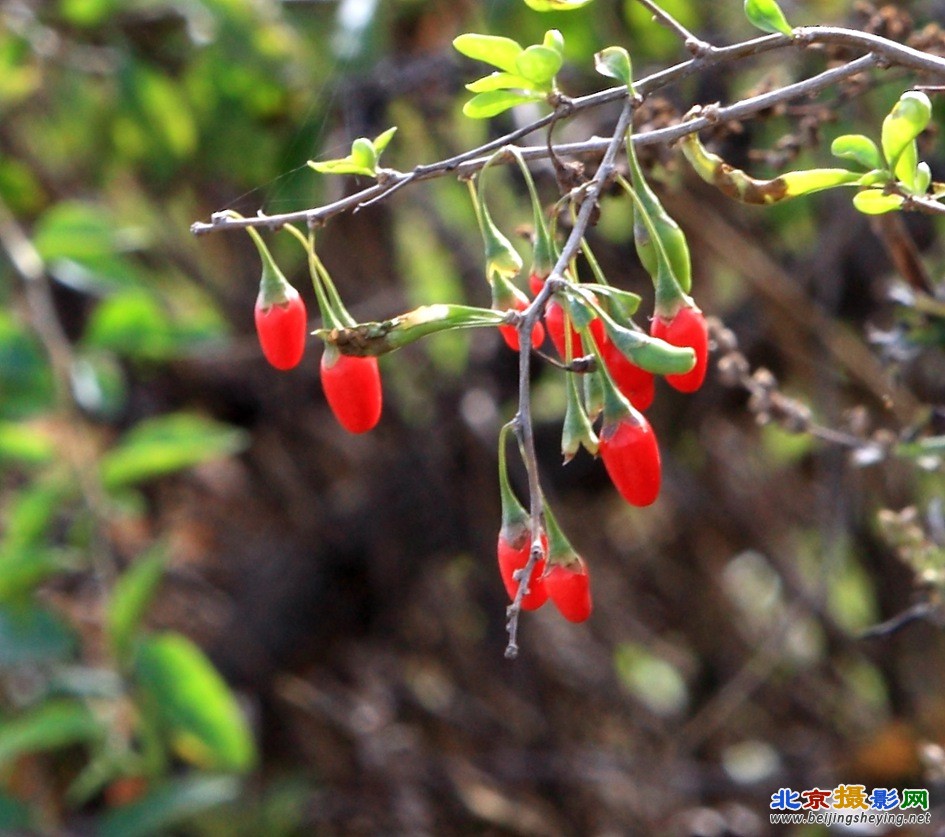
[
  {"x": 627, "y": 447},
  {"x": 352, "y": 385}
]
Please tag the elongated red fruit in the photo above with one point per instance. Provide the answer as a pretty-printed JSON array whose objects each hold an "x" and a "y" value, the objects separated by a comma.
[
  {"x": 569, "y": 588},
  {"x": 513, "y": 550},
  {"x": 687, "y": 328},
  {"x": 536, "y": 283},
  {"x": 282, "y": 329},
  {"x": 510, "y": 333},
  {"x": 555, "y": 323},
  {"x": 631, "y": 456},
  {"x": 352, "y": 386},
  {"x": 635, "y": 383}
]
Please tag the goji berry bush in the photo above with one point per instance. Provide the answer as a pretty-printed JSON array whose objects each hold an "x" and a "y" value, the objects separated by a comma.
[{"x": 602, "y": 336}]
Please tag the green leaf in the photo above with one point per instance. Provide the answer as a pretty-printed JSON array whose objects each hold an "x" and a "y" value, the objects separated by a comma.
[
  {"x": 539, "y": 64},
  {"x": 30, "y": 634},
  {"x": 169, "y": 443},
  {"x": 133, "y": 324},
  {"x": 875, "y": 202},
  {"x": 363, "y": 155},
  {"x": 381, "y": 140},
  {"x": 51, "y": 725},
  {"x": 767, "y": 16},
  {"x": 858, "y": 148},
  {"x": 23, "y": 570},
  {"x": 193, "y": 704},
  {"x": 492, "y": 49},
  {"x": 815, "y": 180},
  {"x": 554, "y": 40},
  {"x": 131, "y": 596},
  {"x": 485, "y": 105},
  {"x": 24, "y": 444},
  {"x": 908, "y": 118},
  {"x": 168, "y": 805},
  {"x": 345, "y": 166},
  {"x": 923, "y": 179},
  {"x": 614, "y": 62},
  {"x": 500, "y": 81},
  {"x": 556, "y": 5},
  {"x": 31, "y": 513}
]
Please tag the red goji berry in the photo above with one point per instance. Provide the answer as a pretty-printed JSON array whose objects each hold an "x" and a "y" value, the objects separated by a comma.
[
  {"x": 686, "y": 328},
  {"x": 510, "y": 333},
  {"x": 282, "y": 329},
  {"x": 555, "y": 323},
  {"x": 513, "y": 550},
  {"x": 631, "y": 456},
  {"x": 352, "y": 386},
  {"x": 569, "y": 588},
  {"x": 635, "y": 383}
]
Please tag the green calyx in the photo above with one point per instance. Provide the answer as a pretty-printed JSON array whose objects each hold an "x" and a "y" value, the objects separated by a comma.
[
  {"x": 670, "y": 296},
  {"x": 662, "y": 227},
  {"x": 515, "y": 518},
  {"x": 501, "y": 256},
  {"x": 560, "y": 551},
  {"x": 274, "y": 288},
  {"x": 576, "y": 431}
]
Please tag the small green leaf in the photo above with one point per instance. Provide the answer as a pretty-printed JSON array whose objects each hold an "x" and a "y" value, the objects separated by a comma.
[
  {"x": 131, "y": 596},
  {"x": 485, "y": 105},
  {"x": 24, "y": 444},
  {"x": 492, "y": 49},
  {"x": 169, "y": 443},
  {"x": 907, "y": 165},
  {"x": 556, "y": 5},
  {"x": 500, "y": 81},
  {"x": 193, "y": 704},
  {"x": 875, "y": 202},
  {"x": 923, "y": 179},
  {"x": 381, "y": 140},
  {"x": 169, "y": 805},
  {"x": 908, "y": 118},
  {"x": 22, "y": 570},
  {"x": 346, "y": 166},
  {"x": 539, "y": 64},
  {"x": 858, "y": 148},
  {"x": 767, "y": 16},
  {"x": 363, "y": 155},
  {"x": 49, "y": 726},
  {"x": 815, "y": 180},
  {"x": 614, "y": 62},
  {"x": 554, "y": 40}
]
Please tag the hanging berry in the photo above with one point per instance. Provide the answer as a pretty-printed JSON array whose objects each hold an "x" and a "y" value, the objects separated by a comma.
[
  {"x": 352, "y": 387},
  {"x": 505, "y": 297},
  {"x": 569, "y": 588},
  {"x": 280, "y": 315},
  {"x": 282, "y": 329},
  {"x": 686, "y": 328},
  {"x": 566, "y": 580},
  {"x": 635, "y": 383},
  {"x": 630, "y": 453},
  {"x": 515, "y": 540},
  {"x": 558, "y": 322}
]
